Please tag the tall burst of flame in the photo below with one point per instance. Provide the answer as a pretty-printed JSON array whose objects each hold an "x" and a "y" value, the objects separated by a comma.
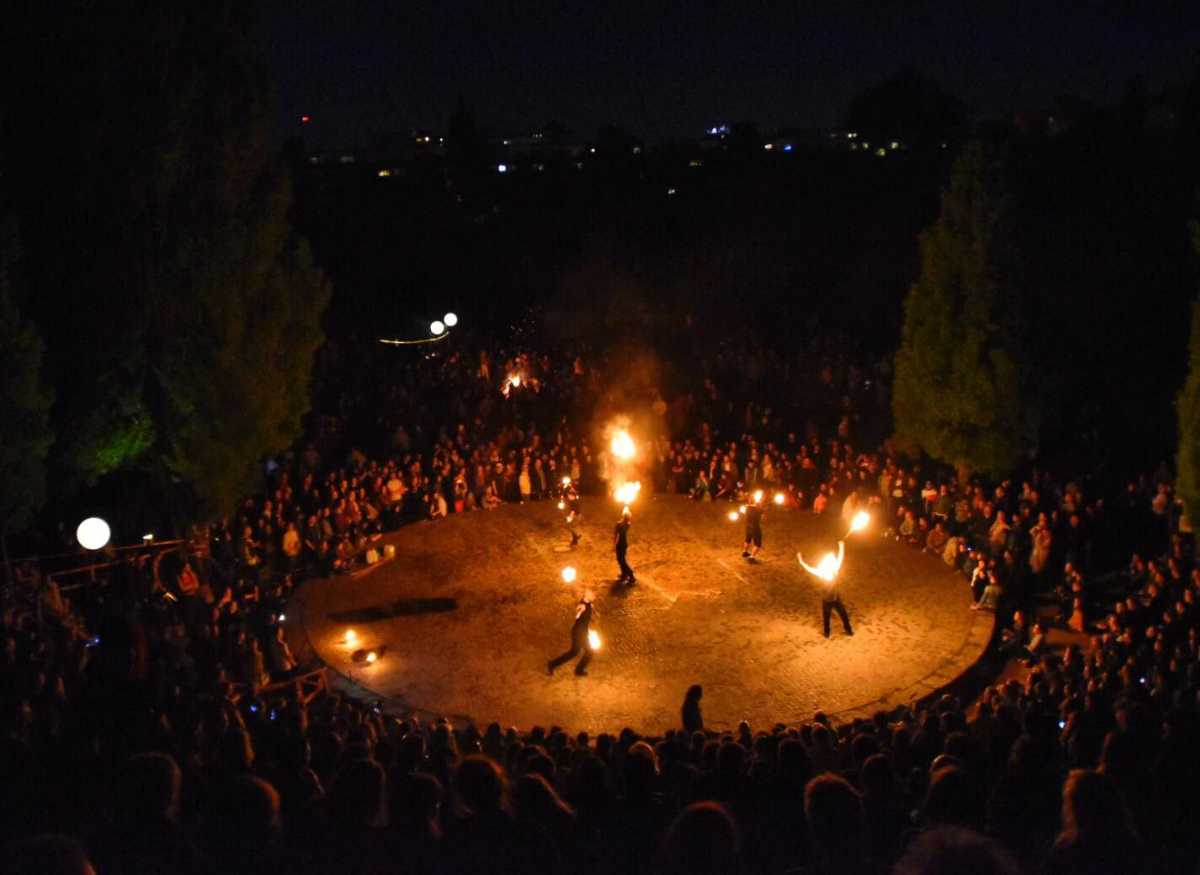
[
  {"x": 627, "y": 493},
  {"x": 593, "y": 639},
  {"x": 622, "y": 445},
  {"x": 859, "y": 522}
]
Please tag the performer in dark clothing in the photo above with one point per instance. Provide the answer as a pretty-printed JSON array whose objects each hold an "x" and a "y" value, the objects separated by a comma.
[
  {"x": 828, "y": 572},
  {"x": 574, "y": 508},
  {"x": 621, "y": 544},
  {"x": 693, "y": 721},
  {"x": 579, "y": 638},
  {"x": 754, "y": 517}
]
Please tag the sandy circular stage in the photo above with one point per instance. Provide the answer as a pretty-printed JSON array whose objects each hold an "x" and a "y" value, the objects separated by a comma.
[{"x": 472, "y": 607}]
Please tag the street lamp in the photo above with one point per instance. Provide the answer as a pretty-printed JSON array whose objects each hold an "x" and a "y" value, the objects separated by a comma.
[
  {"x": 437, "y": 329},
  {"x": 93, "y": 533},
  {"x": 451, "y": 319}
]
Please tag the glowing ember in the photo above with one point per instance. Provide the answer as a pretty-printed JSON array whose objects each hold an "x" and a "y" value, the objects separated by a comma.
[
  {"x": 622, "y": 445},
  {"x": 568, "y": 574},
  {"x": 628, "y": 493},
  {"x": 372, "y": 656},
  {"x": 779, "y": 498},
  {"x": 733, "y": 516},
  {"x": 758, "y": 494},
  {"x": 593, "y": 639},
  {"x": 860, "y": 521}
]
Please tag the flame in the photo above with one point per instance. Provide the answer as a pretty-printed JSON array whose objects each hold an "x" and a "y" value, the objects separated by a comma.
[
  {"x": 515, "y": 381},
  {"x": 622, "y": 445},
  {"x": 372, "y": 656},
  {"x": 758, "y": 494},
  {"x": 860, "y": 521},
  {"x": 351, "y": 636},
  {"x": 568, "y": 574},
  {"x": 733, "y": 516},
  {"x": 627, "y": 493},
  {"x": 827, "y": 568},
  {"x": 562, "y": 505},
  {"x": 566, "y": 481},
  {"x": 593, "y": 639},
  {"x": 742, "y": 509},
  {"x": 779, "y": 498}
]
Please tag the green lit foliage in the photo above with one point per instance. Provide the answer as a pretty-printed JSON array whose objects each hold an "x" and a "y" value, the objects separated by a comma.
[{"x": 962, "y": 390}]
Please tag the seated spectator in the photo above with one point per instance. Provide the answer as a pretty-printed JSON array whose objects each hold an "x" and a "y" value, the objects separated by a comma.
[
  {"x": 989, "y": 599},
  {"x": 703, "y": 840},
  {"x": 935, "y": 541},
  {"x": 1097, "y": 834},
  {"x": 834, "y": 812},
  {"x": 952, "y": 850}
]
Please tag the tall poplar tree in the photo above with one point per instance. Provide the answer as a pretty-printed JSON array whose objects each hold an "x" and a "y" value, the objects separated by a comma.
[
  {"x": 181, "y": 311},
  {"x": 962, "y": 391},
  {"x": 25, "y": 435},
  {"x": 1187, "y": 405}
]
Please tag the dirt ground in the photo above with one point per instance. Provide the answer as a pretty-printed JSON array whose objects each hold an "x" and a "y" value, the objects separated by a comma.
[{"x": 472, "y": 607}]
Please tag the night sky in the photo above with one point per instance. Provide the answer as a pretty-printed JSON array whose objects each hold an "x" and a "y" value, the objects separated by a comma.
[{"x": 671, "y": 70}]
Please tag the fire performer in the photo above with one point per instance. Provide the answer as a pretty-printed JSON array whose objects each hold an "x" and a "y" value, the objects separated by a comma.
[
  {"x": 574, "y": 507},
  {"x": 754, "y": 518},
  {"x": 828, "y": 570},
  {"x": 621, "y": 545},
  {"x": 584, "y": 611}
]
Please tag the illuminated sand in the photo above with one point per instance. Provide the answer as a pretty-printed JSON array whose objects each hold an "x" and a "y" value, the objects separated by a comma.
[{"x": 473, "y": 607}]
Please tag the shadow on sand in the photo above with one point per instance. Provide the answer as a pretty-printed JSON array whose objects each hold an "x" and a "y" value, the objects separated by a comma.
[{"x": 398, "y": 608}]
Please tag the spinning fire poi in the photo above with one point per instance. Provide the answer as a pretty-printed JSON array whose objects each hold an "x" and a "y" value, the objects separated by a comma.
[{"x": 828, "y": 571}]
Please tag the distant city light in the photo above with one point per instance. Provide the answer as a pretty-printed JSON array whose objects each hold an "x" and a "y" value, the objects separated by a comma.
[
  {"x": 881, "y": 151},
  {"x": 305, "y": 119},
  {"x": 502, "y": 168},
  {"x": 768, "y": 146},
  {"x": 670, "y": 191},
  {"x": 788, "y": 147},
  {"x": 93, "y": 533},
  {"x": 384, "y": 173},
  {"x": 895, "y": 144},
  {"x": 436, "y": 328},
  {"x": 451, "y": 319}
]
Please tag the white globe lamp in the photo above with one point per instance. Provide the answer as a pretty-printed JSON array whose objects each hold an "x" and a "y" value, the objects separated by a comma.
[
  {"x": 451, "y": 319},
  {"x": 437, "y": 328},
  {"x": 93, "y": 533}
]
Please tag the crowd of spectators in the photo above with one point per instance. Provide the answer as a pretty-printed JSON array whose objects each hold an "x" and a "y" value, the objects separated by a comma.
[{"x": 154, "y": 717}]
